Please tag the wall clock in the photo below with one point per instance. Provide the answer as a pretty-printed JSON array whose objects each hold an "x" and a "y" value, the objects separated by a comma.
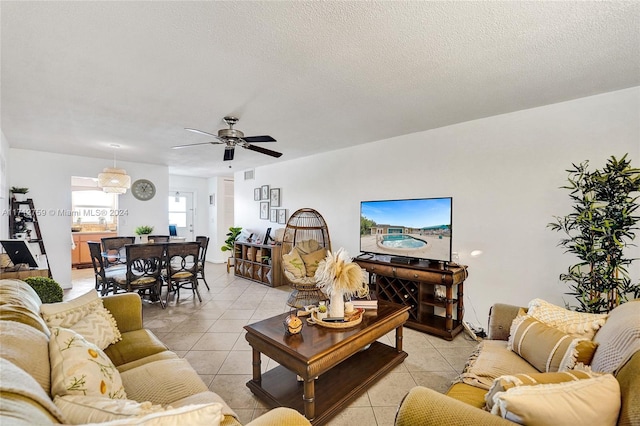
[{"x": 143, "y": 189}]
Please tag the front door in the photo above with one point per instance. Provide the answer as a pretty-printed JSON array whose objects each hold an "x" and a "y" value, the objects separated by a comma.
[{"x": 181, "y": 213}]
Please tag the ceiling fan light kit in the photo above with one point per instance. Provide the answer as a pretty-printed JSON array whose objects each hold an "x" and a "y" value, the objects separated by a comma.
[{"x": 231, "y": 138}]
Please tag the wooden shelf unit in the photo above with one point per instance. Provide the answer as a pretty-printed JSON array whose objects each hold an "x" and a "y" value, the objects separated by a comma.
[
  {"x": 414, "y": 285},
  {"x": 31, "y": 228},
  {"x": 250, "y": 262}
]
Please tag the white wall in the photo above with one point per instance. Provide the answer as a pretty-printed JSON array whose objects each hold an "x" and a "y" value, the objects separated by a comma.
[
  {"x": 48, "y": 177},
  {"x": 504, "y": 173},
  {"x": 220, "y": 217},
  {"x": 4, "y": 186}
]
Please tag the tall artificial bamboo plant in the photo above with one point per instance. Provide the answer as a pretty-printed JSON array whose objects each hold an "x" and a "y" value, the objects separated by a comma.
[{"x": 601, "y": 226}]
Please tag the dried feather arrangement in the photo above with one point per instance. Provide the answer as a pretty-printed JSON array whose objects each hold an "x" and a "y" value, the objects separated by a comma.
[{"x": 336, "y": 274}]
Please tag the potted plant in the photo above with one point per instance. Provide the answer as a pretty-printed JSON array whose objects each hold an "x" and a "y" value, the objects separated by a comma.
[
  {"x": 232, "y": 235},
  {"x": 144, "y": 231},
  {"x": 48, "y": 290},
  {"x": 598, "y": 230},
  {"x": 20, "y": 194}
]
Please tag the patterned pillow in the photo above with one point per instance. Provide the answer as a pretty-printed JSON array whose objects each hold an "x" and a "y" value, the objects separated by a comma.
[
  {"x": 547, "y": 348},
  {"x": 504, "y": 383},
  {"x": 579, "y": 324},
  {"x": 589, "y": 402},
  {"x": 79, "y": 367},
  {"x": 87, "y": 316},
  {"x": 293, "y": 264},
  {"x": 312, "y": 260}
]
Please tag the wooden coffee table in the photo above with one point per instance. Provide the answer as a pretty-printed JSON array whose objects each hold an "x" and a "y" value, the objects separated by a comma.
[{"x": 332, "y": 363}]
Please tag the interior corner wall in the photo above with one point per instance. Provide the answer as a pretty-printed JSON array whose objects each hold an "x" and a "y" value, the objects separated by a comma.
[
  {"x": 503, "y": 172},
  {"x": 48, "y": 177},
  {"x": 4, "y": 186}
]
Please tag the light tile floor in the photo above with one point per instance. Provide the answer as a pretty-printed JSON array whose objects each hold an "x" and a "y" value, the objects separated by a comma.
[{"x": 211, "y": 337}]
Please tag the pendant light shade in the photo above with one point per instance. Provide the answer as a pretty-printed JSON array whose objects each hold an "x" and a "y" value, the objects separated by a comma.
[{"x": 113, "y": 180}]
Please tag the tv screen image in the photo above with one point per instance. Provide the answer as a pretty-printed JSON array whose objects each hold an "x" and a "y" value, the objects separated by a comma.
[{"x": 415, "y": 228}]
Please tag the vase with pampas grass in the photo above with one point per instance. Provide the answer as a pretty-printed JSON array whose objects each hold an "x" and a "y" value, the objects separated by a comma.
[{"x": 338, "y": 277}]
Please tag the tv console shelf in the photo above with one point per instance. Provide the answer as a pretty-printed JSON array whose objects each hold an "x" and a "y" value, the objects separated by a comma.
[{"x": 414, "y": 285}]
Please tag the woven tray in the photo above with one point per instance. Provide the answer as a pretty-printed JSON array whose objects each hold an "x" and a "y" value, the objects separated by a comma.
[{"x": 356, "y": 319}]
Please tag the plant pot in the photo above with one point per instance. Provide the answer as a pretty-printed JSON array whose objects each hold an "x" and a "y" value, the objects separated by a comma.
[
  {"x": 19, "y": 196},
  {"x": 144, "y": 239}
]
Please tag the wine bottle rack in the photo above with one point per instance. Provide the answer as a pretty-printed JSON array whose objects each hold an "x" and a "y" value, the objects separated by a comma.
[{"x": 415, "y": 286}]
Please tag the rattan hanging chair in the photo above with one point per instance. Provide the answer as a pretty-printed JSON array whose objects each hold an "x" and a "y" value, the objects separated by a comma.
[{"x": 304, "y": 244}]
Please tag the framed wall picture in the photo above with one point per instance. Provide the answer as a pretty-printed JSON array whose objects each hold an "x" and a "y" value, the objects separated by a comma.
[
  {"x": 257, "y": 194},
  {"x": 282, "y": 216},
  {"x": 273, "y": 216},
  {"x": 265, "y": 192},
  {"x": 264, "y": 210},
  {"x": 275, "y": 197}
]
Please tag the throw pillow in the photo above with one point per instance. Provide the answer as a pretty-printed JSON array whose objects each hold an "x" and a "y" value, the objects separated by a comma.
[
  {"x": 200, "y": 414},
  {"x": 293, "y": 264},
  {"x": 79, "y": 367},
  {"x": 579, "y": 324},
  {"x": 312, "y": 260},
  {"x": 87, "y": 316},
  {"x": 589, "y": 402},
  {"x": 80, "y": 409},
  {"x": 547, "y": 348},
  {"x": 504, "y": 383}
]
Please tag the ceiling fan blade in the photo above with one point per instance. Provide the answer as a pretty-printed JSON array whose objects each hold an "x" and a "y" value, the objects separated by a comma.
[
  {"x": 263, "y": 150},
  {"x": 254, "y": 139},
  {"x": 228, "y": 152},
  {"x": 201, "y": 132},
  {"x": 194, "y": 144}
]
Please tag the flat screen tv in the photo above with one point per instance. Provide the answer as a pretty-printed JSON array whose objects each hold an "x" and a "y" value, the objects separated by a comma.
[{"x": 415, "y": 229}]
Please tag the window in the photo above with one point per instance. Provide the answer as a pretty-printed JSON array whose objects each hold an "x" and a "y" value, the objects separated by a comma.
[
  {"x": 178, "y": 211},
  {"x": 94, "y": 206}
]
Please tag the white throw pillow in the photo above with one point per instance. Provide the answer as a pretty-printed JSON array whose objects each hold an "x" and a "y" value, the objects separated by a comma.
[
  {"x": 201, "y": 414},
  {"x": 578, "y": 324},
  {"x": 80, "y": 409},
  {"x": 81, "y": 368},
  {"x": 87, "y": 316},
  {"x": 589, "y": 402}
]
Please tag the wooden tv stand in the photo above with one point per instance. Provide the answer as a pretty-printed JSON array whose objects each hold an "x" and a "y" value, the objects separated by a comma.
[{"x": 414, "y": 285}]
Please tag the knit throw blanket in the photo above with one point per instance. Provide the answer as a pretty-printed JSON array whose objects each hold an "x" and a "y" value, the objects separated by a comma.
[{"x": 15, "y": 380}]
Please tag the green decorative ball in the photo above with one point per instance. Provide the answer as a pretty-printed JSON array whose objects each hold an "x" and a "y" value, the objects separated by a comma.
[{"x": 48, "y": 290}]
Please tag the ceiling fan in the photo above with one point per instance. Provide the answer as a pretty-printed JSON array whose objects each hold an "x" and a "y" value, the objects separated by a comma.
[{"x": 232, "y": 138}]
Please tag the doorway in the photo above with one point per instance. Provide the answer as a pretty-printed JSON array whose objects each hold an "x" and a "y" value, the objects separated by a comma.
[{"x": 181, "y": 213}]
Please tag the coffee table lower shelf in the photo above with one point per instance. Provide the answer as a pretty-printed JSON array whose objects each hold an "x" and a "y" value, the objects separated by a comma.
[{"x": 335, "y": 389}]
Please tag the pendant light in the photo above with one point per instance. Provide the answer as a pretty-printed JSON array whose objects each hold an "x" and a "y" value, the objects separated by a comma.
[{"x": 113, "y": 180}]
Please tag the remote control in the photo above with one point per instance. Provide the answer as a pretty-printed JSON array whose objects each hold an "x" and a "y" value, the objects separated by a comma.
[{"x": 333, "y": 319}]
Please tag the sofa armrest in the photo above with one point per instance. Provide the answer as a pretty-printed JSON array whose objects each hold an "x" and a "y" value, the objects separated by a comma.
[
  {"x": 281, "y": 416},
  {"x": 500, "y": 318},
  {"x": 423, "y": 406},
  {"x": 126, "y": 308}
]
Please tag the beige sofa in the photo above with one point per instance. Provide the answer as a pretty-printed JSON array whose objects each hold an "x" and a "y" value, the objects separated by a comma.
[
  {"x": 618, "y": 352},
  {"x": 149, "y": 371}
]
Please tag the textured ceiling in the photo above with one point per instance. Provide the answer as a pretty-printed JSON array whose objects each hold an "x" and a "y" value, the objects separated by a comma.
[{"x": 317, "y": 76}]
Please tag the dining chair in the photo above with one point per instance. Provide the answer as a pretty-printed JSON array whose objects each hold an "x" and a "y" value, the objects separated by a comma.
[
  {"x": 182, "y": 268},
  {"x": 104, "y": 276},
  {"x": 143, "y": 271},
  {"x": 113, "y": 247},
  {"x": 204, "y": 244},
  {"x": 158, "y": 238}
]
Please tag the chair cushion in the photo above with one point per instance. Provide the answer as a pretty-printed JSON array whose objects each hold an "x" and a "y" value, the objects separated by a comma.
[
  {"x": 547, "y": 348},
  {"x": 578, "y": 324},
  {"x": 618, "y": 339},
  {"x": 15, "y": 338},
  {"x": 589, "y": 402},
  {"x": 207, "y": 414},
  {"x": 312, "y": 260},
  {"x": 294, "y": 264},
  {"x": 81, "y": 409},
  {"x": 80, "y": 367}
]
